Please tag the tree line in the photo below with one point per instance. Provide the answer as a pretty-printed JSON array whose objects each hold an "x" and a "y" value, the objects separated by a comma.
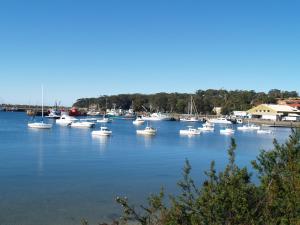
[
  {"x": 229, "y": 197},
  {"x": 205, "y": 100}
]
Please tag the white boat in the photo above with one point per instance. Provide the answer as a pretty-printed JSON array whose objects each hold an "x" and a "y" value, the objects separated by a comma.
[
  {"x": 104, "y": 120},
  {"x": 93, "y": 113},
  {"x": 190, "y": 131},
  {"x": 206, "y": 127},
  {"x": 83, "y": 124},
  {"x": 54, "y": 114},
  {"x": 40, "y": 125},
  {"x": 104, "y": 131},
  {"x": 264, "y": 131},
  {"x": 227, "y": 131},
  {"x": 147, "y": 131},
  {"x": 156, "y": 117},
  {"x": 66, "y": 120},
  {"x": 249, "y": 127},
  {"x": 189, "y": 119},
  {"x": 138, "y": 121},
  {"x": 192, "y": 113},
  {"x": 220, "y": 120}
]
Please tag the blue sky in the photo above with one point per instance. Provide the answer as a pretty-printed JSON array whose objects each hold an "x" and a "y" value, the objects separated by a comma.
[{"x": 90, "y": 48}]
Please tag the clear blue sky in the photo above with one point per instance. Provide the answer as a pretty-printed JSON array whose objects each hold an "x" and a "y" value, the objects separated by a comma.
[{"x": 90, "y": 48}]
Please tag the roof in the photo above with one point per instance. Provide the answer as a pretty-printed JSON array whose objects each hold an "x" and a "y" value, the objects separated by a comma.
[
  {"x": 281, "y": 108},
  {"x": 272, "y": 109}
]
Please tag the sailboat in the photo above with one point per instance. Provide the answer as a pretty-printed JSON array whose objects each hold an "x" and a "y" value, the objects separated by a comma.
[
  {"x": 191, "y": 117},
  {"x": 41, "y": 125}
]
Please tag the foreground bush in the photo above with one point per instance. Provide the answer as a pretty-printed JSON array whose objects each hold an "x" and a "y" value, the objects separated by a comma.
[{"x": 229, "y": 197}]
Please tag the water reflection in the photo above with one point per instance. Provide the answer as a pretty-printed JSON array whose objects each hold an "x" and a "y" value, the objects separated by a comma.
[{"x": 103, "y": 141}]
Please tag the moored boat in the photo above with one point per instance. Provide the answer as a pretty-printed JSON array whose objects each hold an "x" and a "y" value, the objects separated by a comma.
[
  {"x": 227, "y": 131},
  {"x": 104, "y": 131},
  {"x": 147, "y": 131},
  {"x": 190, "y": 131},
  {"x": 220, "y": 120},
  {"x": 138, "y": 121},
  {"x": 83, "y": 124}
]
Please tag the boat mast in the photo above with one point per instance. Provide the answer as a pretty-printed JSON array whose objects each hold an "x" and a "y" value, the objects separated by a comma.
[
  {"x": 42, "y": 102},
  {"x": 191, "y": 112}
]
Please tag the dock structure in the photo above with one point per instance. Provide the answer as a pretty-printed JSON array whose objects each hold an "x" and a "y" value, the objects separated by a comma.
[{"x": 270, "y": 123}]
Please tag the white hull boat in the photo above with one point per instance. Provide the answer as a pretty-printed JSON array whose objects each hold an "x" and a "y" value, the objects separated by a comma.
[
  {"x": 220, "y": 121},
  {"x": 206, "y": 127},
  {"x": 248, "y": 127},
  {"x": 138, "y": 121},
  {"x": 83, "y": 124},
  {"x": 264, "y": 131},
  {"x": 40, "y": 125},
  {"x": 147, "y": 131},
  {"x": 190, "y": 131},
  {"x": 156, "y": 117},
  {"x": 104, "y": 120},
  {"x": 66, "y": 120},
  {"x": 191, "y": 119},
  {"x": 104, "y": 131},
  {"x": 227, "y": 131}
]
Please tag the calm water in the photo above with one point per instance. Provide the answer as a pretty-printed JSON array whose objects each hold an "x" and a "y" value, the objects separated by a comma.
[{"x": 60, "y": 175}]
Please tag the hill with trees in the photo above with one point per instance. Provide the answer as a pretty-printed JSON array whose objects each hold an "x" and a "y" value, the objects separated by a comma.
[{"x": 205, "y": 100}]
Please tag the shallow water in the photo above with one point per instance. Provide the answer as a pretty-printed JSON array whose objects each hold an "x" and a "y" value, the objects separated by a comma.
[{"x": 60, "y": 175}]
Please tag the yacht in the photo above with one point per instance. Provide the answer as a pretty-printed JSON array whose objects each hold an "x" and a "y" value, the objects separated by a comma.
[
  {"x": 104, "y": 131},
  {"x": 138, "y": 121},
  {"x": 192, "y": 113},
  {"x": 227, "y": 131},
  {"x": 66, "y": 120},
  {"x": 220, "y": 120},
  {"x": 40, "y": 125},
  {"x": 190, "y": 131},
  {"x": 147, "y": 131},
  {"x": 83, "y": 124}
]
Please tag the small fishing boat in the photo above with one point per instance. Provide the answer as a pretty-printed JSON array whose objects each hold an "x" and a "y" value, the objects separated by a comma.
[
  {"x": 249, "y": 127},
  {"x": 157, "y": 117},
  {"x": 227, "y": 131},
  {"x": 220, "y": 120},
  {"x": 66, "y": 120},
  {"x": 40, "y": 125},
  {"x": 207, "y": 127},
  {"x": 147, "y": 131},
  {"x": 83, "y": 124},
  {"x": 190, "y": 131},
  {"x": 138, "y": 121},
  {"x": 189, "y": 119},
  {"x": 104, "y": 120},
  {"x": 53, "y": 114},
  {"x": 104, "y": 131}
]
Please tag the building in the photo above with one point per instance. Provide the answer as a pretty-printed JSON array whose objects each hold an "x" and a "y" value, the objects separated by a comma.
[
  {"x": 293, "y": 102},
  {"x": 217, "y": 110},
  {"x": 272, "y": 111}
]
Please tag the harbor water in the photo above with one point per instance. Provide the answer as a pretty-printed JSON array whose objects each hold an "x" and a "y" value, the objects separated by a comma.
[{"x": 61, "y": 175}]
